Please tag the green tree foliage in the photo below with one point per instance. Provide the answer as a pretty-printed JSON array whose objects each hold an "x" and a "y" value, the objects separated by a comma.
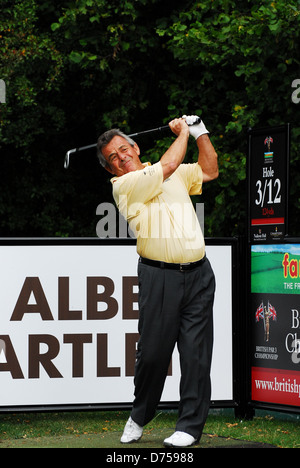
[
  {"x": 75, "y": 68},
  {"x": 241, "y": 58}
]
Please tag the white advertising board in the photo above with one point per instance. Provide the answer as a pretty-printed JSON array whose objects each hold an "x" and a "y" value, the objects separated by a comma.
[{"x": 68, "y": 325}]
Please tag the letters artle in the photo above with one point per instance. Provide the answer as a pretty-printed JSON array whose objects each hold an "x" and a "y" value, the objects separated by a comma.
[{"x": 78, "y": 343}]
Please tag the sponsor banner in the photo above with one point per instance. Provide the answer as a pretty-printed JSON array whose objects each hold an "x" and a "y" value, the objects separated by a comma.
[
  {"x": 268, "y": 183},
  {"x": 69, "y": 321},
  {"x": 275, "y": 316},
  {"x": 275, "y": 269},
  {"x": 276, "y": 386}
]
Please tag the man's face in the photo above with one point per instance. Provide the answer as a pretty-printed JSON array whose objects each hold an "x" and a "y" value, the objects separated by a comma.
[{"x": 121, "y": 157}]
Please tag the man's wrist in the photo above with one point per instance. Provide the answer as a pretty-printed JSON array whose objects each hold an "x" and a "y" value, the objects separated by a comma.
[{"x": 185, "y": 133}]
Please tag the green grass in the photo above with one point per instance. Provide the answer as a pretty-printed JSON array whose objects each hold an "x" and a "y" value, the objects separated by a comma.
[
  {"x": 267, "y": 273},
  {"x": 269, "y": 429},
  {"x": 281, "y": 432}
]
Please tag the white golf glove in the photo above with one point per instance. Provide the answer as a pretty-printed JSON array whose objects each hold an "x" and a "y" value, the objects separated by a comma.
[{"x": 196, "y": 125}]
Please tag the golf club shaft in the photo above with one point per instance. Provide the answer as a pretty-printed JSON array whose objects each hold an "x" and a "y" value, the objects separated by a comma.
[{"x": 83, "y": 148}]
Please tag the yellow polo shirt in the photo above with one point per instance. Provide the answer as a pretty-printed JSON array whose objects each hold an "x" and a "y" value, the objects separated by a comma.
[{"x": 160, "y": 213}]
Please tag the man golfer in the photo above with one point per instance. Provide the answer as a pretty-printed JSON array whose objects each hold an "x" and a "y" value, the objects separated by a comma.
[{"x": 176, "y": 281}]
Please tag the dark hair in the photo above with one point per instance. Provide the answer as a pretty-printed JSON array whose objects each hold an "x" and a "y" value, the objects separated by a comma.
[{"x": 105, "y": 138}]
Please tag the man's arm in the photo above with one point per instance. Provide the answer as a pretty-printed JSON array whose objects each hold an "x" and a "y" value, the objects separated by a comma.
[
  {"x": 174, "y": 156},
  {"x": 207, "y": 158}
]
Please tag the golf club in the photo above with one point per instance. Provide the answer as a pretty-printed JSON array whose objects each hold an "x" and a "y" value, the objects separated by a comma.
[{"x": 83, "y": 148}]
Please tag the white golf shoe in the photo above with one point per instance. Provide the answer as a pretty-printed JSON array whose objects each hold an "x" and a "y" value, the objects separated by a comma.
[
  {"x": 132, "y": 432},
  {"x": 180, "y": 439}
]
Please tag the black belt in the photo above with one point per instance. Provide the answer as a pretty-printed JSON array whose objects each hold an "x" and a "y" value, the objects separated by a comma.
[{"x": 173, "y": 266}]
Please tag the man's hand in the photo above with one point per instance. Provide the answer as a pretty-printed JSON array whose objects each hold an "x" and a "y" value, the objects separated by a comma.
[
  {"x": 195, "y": 129},
  {"x": 179, "y": 126}
]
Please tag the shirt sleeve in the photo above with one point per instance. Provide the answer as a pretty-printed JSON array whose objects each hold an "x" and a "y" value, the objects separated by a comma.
[
  {"x": 192, "y": 177},
  {"x": 134, "y": 190}
]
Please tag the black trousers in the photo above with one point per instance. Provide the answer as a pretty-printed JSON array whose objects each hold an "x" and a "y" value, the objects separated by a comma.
[{"x": 175, "y": 307}]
